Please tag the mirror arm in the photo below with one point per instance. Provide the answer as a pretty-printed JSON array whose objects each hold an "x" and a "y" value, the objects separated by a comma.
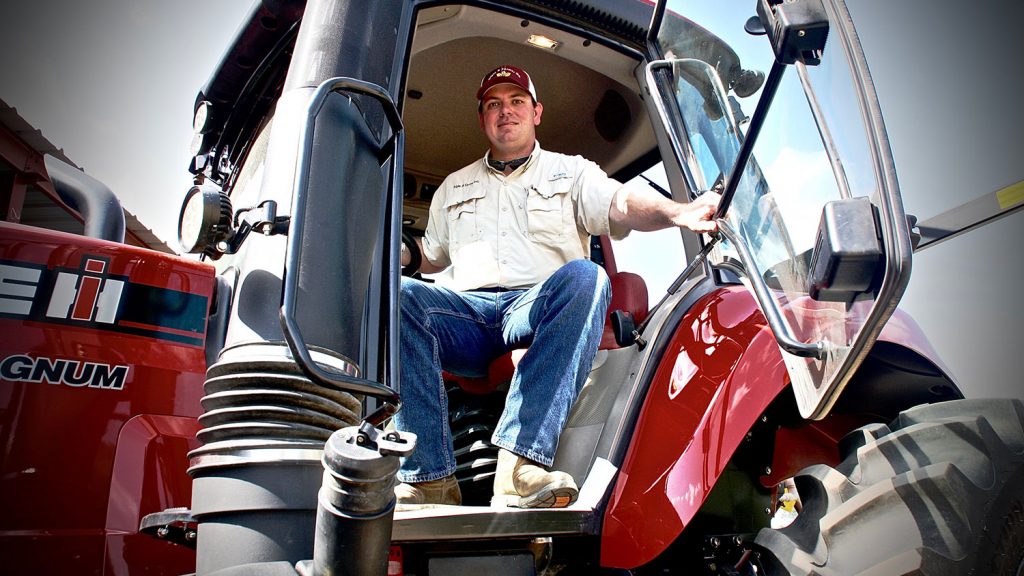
[{"x": 771, "y": 86}]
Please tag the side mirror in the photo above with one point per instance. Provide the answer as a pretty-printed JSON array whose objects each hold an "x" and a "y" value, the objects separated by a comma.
[
  {"x": 797, "y": 29},
  {"x": 847, "y": 252}
]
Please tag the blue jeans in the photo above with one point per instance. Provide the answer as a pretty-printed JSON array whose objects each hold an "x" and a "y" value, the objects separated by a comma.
[{"x": 561, "y": 319}]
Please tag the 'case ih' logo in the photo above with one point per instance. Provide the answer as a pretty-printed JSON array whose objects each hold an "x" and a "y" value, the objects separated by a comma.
[
  {"x": 85, "y": 295},
  {"x": 89, "y": 296}
]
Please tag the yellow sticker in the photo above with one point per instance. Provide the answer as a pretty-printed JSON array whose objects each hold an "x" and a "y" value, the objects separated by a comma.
[{"x": 1011, "y": 195}]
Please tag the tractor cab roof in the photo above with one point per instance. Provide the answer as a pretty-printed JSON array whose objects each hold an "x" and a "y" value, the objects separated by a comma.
[{"x": 587, "y": 81}]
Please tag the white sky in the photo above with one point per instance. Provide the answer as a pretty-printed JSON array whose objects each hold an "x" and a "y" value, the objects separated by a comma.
[{"x": 113, "y": 82}]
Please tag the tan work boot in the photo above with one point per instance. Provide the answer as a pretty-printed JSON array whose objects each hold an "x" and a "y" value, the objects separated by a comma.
[
  {"x": 523, "y": 483},
  {"x": 443, "y": 491}
]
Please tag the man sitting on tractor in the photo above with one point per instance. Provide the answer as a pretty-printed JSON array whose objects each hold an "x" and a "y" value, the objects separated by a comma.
[{"x": 515, "y": 228}]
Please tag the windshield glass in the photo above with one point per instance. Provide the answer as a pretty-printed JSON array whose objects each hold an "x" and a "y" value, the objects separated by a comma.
[{"x": 813, "y": 148}]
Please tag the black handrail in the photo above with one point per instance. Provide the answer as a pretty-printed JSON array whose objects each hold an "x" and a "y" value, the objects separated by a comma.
[
  {"x": 781, "y": 329},
  {"x": 292, "y": 333}
]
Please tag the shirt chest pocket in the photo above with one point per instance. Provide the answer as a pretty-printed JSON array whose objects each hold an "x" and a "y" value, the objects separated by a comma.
[
  {"x": 461, "y": 211},
  {"x": 549, "y": 211}
]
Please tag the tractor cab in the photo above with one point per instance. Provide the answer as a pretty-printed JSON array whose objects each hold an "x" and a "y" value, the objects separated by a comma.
[
  {"x": 729, "y": 361},
  {"x": 758, "y": 404}
]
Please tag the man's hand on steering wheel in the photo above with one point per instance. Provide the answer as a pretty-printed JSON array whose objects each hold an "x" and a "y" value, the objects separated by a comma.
[{"x": 411, "y": 255}]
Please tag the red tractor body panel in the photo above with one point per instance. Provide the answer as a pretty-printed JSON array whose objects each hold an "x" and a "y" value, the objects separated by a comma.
[
  {"x": 102, "y": 363},
  {"x": 722, "y": 361},
  {"x": 721, "y": 371}
]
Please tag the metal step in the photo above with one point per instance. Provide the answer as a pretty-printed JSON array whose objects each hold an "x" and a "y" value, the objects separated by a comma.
[{"x": 437, "y": 522}]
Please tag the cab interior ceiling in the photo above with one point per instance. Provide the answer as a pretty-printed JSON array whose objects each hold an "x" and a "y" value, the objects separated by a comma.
[{"x": 592, "y": 103}]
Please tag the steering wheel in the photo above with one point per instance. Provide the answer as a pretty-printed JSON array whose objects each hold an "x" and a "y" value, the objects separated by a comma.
[{"x": 415, "y": 256}]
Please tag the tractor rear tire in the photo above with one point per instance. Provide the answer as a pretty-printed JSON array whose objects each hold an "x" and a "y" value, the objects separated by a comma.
[{"x": 940, "y": 490}]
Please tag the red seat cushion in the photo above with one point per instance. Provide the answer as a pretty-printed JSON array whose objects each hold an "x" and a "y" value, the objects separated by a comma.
[{"x": 629, "y": 294}]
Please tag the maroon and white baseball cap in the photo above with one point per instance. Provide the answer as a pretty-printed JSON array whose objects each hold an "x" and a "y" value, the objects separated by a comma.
[{"x": 506, "y": 75}]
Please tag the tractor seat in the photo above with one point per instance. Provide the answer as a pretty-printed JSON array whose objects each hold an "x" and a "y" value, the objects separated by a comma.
[{"x": 629, "y": 294}]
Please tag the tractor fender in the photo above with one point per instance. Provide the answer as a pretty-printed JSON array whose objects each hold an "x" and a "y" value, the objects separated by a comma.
[
  {"x": 903, "y": 331},
  {"x": 720, "y": 372},
  {"x": 901, "y": 371}
]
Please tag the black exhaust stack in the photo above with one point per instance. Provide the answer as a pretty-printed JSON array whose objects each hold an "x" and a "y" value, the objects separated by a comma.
[{"x": 99, "y": 207}]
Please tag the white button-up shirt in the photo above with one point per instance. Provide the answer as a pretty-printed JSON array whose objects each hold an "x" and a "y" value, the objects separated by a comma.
[{"x": 514, "y": 231}]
